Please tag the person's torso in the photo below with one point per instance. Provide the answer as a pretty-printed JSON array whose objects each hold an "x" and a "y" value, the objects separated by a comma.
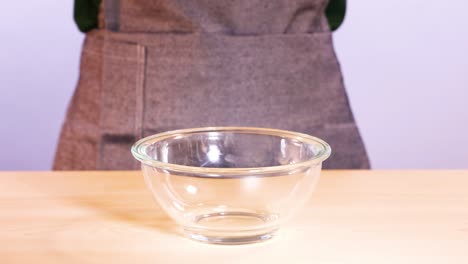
[{"x": 242, "y": 17}]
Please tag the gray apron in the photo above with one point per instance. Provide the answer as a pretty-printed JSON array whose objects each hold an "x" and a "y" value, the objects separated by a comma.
[{"x": 161, "y": 65}]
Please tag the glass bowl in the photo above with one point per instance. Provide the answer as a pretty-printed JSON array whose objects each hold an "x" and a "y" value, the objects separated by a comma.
[{"x": 231, "y": 185}]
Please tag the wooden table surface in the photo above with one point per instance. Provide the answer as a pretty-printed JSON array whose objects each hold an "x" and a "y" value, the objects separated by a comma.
[{"x": 353, "y": 217}]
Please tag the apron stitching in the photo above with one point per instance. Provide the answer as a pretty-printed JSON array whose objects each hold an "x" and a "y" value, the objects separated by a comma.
[
  {"x": 101, "y": 88},
  {"x": 139, "y": 91},
  {"x": 92, "y": 52}
]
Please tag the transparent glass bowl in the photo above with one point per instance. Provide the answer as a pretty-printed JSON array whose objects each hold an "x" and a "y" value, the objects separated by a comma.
[{"x": 231, "y": 185}]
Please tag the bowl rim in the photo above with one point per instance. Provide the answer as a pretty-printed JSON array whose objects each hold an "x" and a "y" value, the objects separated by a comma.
[{"x": 139, "y": 154}]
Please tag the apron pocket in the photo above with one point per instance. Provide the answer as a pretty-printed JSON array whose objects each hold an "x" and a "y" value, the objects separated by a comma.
[{"x": 123, "y": 78}]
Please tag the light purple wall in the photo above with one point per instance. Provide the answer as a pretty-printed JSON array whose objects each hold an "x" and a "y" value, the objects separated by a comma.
[
  {"x": 39, "y": 55},
  {"x": 405, "y": 65}
]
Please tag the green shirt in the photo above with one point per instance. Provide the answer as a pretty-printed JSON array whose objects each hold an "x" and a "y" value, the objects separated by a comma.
[{"x": 86, "y": 13}]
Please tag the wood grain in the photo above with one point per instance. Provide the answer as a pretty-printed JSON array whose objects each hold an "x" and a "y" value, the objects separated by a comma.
[{"x": 353, "y": 217}]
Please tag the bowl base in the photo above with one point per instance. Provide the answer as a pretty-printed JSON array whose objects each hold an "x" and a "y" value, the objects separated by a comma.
[
  {"x": 229, "y": 240},
  {"x": 232, "y": 228}
]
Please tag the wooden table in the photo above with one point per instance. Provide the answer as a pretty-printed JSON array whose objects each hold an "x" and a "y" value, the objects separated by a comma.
[{"x": 353, "y": 217}]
